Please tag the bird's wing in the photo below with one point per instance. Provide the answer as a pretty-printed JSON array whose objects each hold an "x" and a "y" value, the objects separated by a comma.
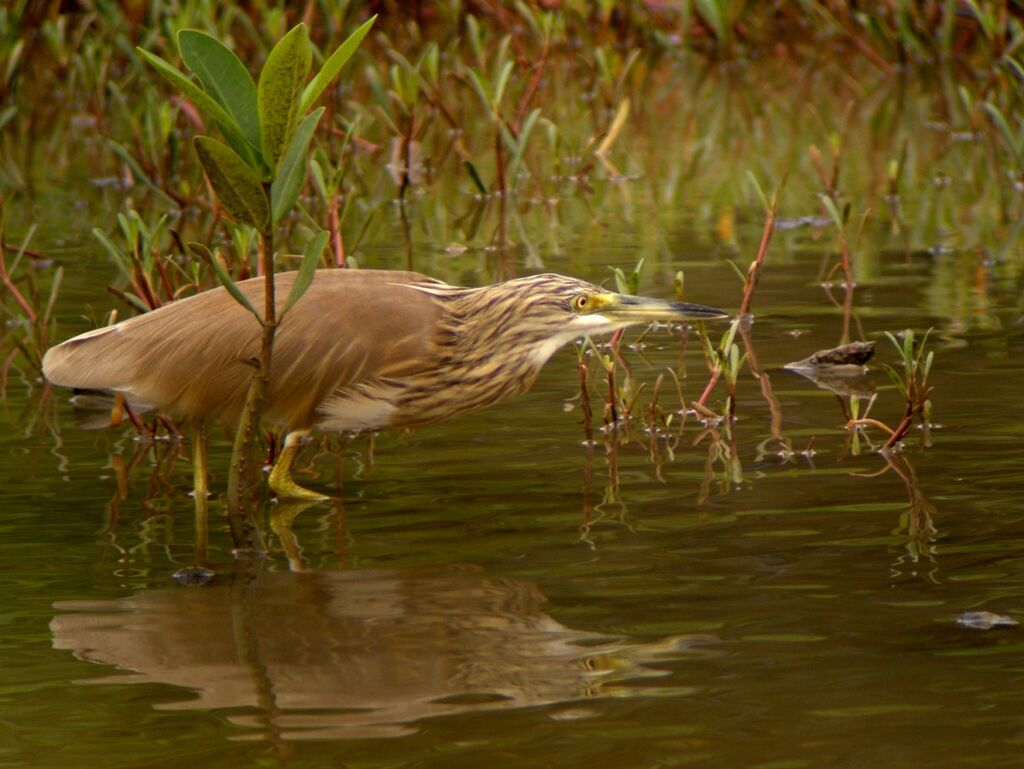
[{"x": 195, "y": 356}]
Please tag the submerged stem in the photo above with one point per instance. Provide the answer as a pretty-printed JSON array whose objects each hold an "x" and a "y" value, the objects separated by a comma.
[{"x": 243, "y": 527}]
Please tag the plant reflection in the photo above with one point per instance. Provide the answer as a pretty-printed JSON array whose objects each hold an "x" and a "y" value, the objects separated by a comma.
[
  {"x": 722, "y": 464},
  {"x": 357, "y": 653},
  {"x": 916, "y": 523},
  {"x": 611, "y": 507}
]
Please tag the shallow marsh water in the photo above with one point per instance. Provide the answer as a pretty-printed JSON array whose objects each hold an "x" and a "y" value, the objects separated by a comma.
[{"x": 490, "y": 590}]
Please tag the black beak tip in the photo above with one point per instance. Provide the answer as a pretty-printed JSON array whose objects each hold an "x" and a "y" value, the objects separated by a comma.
[{"x": 699, "y": 311}]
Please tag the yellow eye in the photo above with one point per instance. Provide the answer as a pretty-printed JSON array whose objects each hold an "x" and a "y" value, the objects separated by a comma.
[{"x": 580, "y": 302}]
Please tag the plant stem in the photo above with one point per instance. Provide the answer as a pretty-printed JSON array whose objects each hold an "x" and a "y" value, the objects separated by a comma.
[
  {"x": 243, "y": 528},
  {"x": 712, "y": 381},
  {"x": 754, "y": 273},
  {"x": 588, "y": 415}
]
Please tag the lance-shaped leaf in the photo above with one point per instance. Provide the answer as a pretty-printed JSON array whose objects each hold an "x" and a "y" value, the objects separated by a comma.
[
  {"x": 234, "y": 181},
  {"x": 309, "y": 264},
  {"x": 333, "y": 66},
  {"x": 279, "y": 92},
  {"x": 224, "y": 77},
  {"x": 206, "y": 104},
  {"x": 287, "y": 184},
  {"x": 223, "y": 277}
]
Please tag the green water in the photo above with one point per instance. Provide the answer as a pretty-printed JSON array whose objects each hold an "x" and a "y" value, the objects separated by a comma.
[{"x": 491, "y": 590}]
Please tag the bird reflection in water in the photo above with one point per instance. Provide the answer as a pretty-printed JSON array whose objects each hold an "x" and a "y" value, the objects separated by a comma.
[{"x": 358, "y": 653}]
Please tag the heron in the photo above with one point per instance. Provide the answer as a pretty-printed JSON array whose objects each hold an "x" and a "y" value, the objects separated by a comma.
[{"x": 362, "y": 350}]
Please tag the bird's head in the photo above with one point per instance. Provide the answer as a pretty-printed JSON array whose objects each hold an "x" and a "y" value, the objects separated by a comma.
[{"x": 545, "y": 312}]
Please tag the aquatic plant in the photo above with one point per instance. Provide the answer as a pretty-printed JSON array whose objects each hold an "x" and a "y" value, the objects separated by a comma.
[
  {"x": 258, "y": 173},
  {"x": 911, "y": 381},
  {"x": 26, "y": 305}
]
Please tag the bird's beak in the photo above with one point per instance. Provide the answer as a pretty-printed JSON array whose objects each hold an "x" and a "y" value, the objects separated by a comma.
[{"x": 632, "y": 309}]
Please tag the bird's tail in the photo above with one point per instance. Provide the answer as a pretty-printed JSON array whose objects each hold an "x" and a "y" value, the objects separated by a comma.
[{"x": 88, "y": 361}]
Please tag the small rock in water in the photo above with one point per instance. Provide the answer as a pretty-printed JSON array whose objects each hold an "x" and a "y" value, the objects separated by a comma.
[
  {"x": 985, "y": 620},
  {"x": 193, "y": 576}
]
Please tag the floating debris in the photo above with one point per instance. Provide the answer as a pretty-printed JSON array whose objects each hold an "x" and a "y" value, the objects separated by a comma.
[
  {"x": 852, "y": 357},
  {"x": 802, "y": 221},
  {"x": 455, "y": 249},
  {"x": 985, "y": 620},
  {"x": 193, "y": 576}
]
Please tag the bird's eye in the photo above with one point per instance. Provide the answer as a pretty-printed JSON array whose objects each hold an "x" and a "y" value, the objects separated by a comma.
[{"x": 580, "y": 302}]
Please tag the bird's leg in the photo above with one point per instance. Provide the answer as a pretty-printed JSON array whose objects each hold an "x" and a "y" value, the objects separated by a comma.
[
  {"x": 200, "y": 488},
  {"x": 199, "y": 484},
  {"x": 280, "y": 480}
]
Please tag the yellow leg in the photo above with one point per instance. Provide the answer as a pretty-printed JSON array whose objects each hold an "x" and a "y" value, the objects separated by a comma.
[
  {"x": 200, "y": 489},
  {"x": 280, "y": 480}
]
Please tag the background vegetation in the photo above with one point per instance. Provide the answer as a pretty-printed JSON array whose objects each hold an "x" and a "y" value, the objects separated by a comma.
[{"x": 467, "y": 139}]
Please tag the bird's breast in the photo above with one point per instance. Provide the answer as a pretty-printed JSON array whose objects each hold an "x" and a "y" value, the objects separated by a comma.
[{"x": 367, "y": 406}]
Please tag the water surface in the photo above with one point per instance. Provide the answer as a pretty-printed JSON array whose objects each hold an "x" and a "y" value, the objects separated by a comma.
[{"x": 774, "y": 594}]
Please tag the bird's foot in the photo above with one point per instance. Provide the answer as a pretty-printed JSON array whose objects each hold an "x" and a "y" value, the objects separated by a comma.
[
  {"x": 280, "y": 480},
  {"x": 291, "y": 490},
  {"x": 285, "y": 488}
]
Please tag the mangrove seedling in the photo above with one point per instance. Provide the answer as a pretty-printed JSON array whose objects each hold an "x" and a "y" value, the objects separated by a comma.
[{"x": 257, "y": 172}]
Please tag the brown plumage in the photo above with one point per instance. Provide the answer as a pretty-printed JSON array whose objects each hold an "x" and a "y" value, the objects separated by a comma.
[
  {"x": 362, "y": 349},
  {"x": 194, "y": 357}
]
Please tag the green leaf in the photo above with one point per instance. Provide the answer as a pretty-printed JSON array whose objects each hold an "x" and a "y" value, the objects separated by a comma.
[
  {"x": 206, "y": 104},
  {"x": 729, "y": 336},
  {"x": 319, "y": 178},
  {"x": 287, "y": 184},
  {"x": 234, "y": 181},
  {"x": 204, "y": 253},
  {"x": 830, "y": 206},
  {"x": 232, "y": 287},
  {"x": 524, "y": 137},
  {"x": 735, "y": 268},
  {"x": 308, "y": 267},
  {"x": 479, "y": 84},
  {"x": 200, "y": 250},
  {"x": 1004, "y": 128},
  {"x": 224, "y": 77},
  {"x": 140, "y": 176},
  {"x": 478, "y": 182},
  {"x": 333, "y": 66},
  {"x": 621, "y": 284},
  {"x": 499, "y": 90},
  {"x": 760, "y": 192},
  {"x": 279, "y": 92},
  {"x": 116, "y": 254},
  {"x": 634, "y": 277},
  {"x": 712, "y": 15}
]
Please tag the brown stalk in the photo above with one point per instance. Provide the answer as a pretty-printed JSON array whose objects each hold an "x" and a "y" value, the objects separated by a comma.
[
  {"x": 334, "y": 227},
  {"x": 774, "y": 408},
  {"x": 18, "y": 296},
  {"x": 27, "y": 252},
  {"x": 754, "y": 273},
  {"x": 165, "y": 279},
  {"x": 873, "y": 423},
  {"x": 143, "y": 288},
  {"x": 611, "y": 407},
  {"x": 585, "y": 407},
  {"x": 682, "y": 400},
  {"x": 715, "y": 375},
  {"x": 654, "y": 412},
  {"x": 753, "y": 276},
  {"x": 499, "y": 154},
  {"x": 531, "y": 88},
  {"x": 819, "y": 167},
  {"x": 865, "y": 47}
]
